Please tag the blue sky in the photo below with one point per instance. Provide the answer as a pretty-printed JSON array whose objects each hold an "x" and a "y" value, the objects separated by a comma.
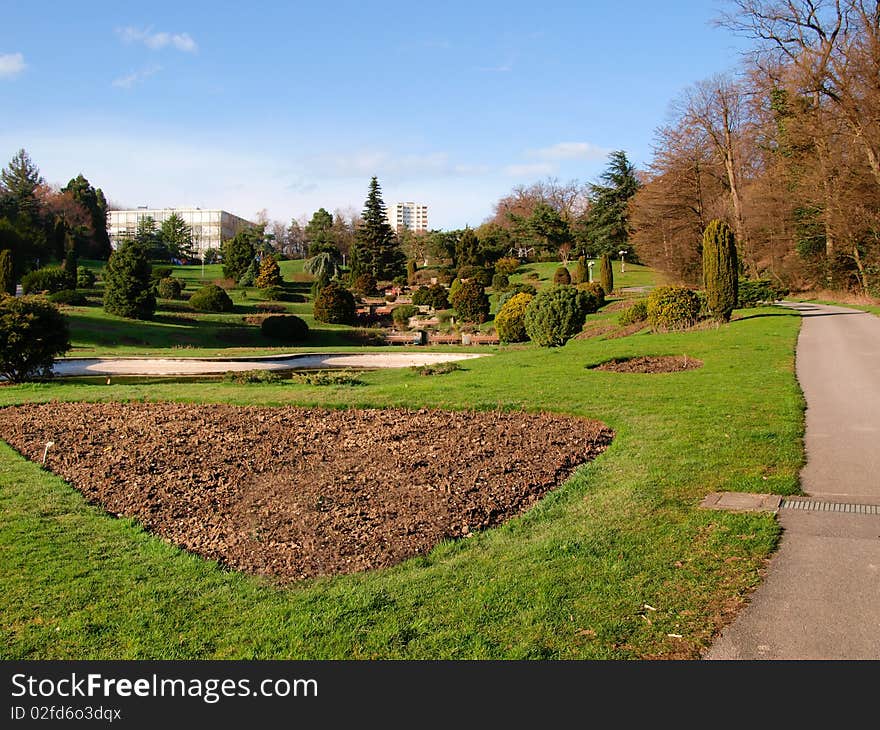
[{"x": 292, "y": 106}]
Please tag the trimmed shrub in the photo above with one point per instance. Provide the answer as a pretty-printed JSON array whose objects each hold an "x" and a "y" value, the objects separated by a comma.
[
  {"x": 476, "y": 273},
  {"x": 401, "y": 314},
  {"x": 238, "y": 254},
  {"x": 250, "y": 275},
  {"x": 169, "y": 288},
  {"x": 48, "y": 279},
  {"x": 284, "y": 327},
  {"x": 673, "y": 308},
  {"x": 271, "y": 308},
  {"x": 561, "y": 276},
  {"x": 249, "y": 377},
  {"x": 334, "y": 304},
  {"x": 85, "y": 278},
  {"x": 453, "y": 288},
  {"x": 514, "y": 290},
  {"x": 500, "y": 282},
  {"x": 754, "y": 293},
  {"x": 510, "y": 320},
  {"x": 32, "y": 333},
  {"x": 7, "y": 272},
  {"x": 70, "y": 268},
  {"x": 581, "y": 272},
  {"x": 211, "y": 298},
  {"x": 720, "y": 276},
  {"x": 606, "y": 273},
  {"x": 128, "y": 283},
  {"x": 270, "y": 273},
  {"x": 70, "y": 297},
  {"x": 424, "y": 276},
  {"x": 470, "y": 302},
  {"x": 506, "y": 265},
  {"x": 434, "y": 296},
  {"x": 555, "y": 315},
  {"x": 364, "y": 285},
  {"x": 440, "y": 368},
  {"x": 595, "y": 295},
  {"x": 638, "y": 312},
  {"x": 411, "y": 268},
  {"x": 161, "y": 272}
]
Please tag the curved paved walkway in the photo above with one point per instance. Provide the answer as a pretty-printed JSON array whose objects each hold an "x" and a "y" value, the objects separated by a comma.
[
  {"x": 208, "y": 366},
  {"x": 821, "y": 597}
]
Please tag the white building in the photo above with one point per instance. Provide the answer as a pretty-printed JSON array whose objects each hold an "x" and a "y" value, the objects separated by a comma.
[
  {"x": 408, "y": 215},
  {"x": 209, "y": 227}
]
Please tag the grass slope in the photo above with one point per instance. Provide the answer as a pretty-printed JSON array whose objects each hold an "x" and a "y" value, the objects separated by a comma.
[{"x": 569, "y": 579}]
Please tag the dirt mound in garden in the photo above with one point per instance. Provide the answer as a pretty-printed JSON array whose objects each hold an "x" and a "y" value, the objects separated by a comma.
[
  {"x": 664, "y": 364},
  {"x": 295, "y": 492}
]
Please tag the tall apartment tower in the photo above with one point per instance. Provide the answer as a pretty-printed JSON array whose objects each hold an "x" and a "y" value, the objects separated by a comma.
[{"x": 408, "y": 215}]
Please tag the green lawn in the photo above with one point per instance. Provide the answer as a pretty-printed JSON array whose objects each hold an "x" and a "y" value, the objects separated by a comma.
[
  {"x": 863, "y": 306},
  {"x": 569, "y": 579},
  {"x": 634, "y": 275}
]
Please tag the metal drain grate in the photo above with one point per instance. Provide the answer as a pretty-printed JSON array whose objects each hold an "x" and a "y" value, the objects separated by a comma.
[{"x": 811, "y": 504}]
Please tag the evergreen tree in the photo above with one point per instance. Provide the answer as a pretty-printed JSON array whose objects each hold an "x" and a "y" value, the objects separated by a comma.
[
  {"x": 177, "y": 237},
  {"x": 720, "y": 276},
  {"x": 7, "y": 272},
  {"x": 548, "y": 228},
  {"x": 94, "y": 243},
  {"x": 607, "y": 224},
  {"x": 467, "y": 249},
  {"x": 606, "y": 273},
  {"x": 376, "y": 249},
  {"x": 581, "y": 273},
  {"x": 69, "y": 267},
  {"x": 20, "y": 180},
  {"x": 128, "y": 282},
  {"x": 319, "y": 233},
  {"x": 270, "y": 273},
  {"x": 238, "y": 254}
]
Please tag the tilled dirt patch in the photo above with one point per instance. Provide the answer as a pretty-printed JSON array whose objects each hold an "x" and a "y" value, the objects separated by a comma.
[
  {"x": 664, "y": 364},
  {"x": 293, "y": 492}
]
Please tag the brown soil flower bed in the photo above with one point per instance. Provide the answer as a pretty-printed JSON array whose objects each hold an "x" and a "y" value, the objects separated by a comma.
[
  {"x": 293, "y": 492},
  {"x": 664, "y": 364}
]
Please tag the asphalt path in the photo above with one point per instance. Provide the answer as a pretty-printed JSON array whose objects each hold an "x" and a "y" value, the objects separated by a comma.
[{"x": 821, "y": 596}]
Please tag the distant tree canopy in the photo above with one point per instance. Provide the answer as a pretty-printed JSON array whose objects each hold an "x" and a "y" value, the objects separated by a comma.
[
  {"x": 92, "y": 242},
  {"x": 177, "y": 237},
  {"x": 607, "y": 222}
]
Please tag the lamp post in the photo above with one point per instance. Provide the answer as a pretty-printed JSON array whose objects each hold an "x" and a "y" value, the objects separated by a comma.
[{"x": 622, "y": 253}]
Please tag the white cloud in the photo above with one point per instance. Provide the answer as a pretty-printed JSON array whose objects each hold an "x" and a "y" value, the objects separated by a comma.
[
  {"x": 530, "y": 169},
  {"x": 127, "y": 82},
  {"x": 570, "y": 151},
  {"x": 181, "y": 41},
  {"x": 11, "y": 64}
]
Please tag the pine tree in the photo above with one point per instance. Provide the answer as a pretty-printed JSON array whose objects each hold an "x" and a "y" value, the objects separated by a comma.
[
  {"x": 467, "y": 249},
  {"x": 7, "y": 272},
  {"x": 376, "y": 249},
  {"x": 270, "y": 273},
  {"x": 720, "y": 275},
  {"x": 606, "y": 273},
  {"x": 69, "y": 267},
  {"x": 177, "y": 237},
  {"x": 608, "y": 219},
  {"x": 128, "y": 283},
  {"x": 96, "y": 242},
  {"x": 20, "y": 180},
  {"x": 238, "y": 254}
]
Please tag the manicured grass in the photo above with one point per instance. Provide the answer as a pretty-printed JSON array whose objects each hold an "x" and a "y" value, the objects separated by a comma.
[
  {"x": 635, "y": 274},
  {"x": 569, "y": 579}
]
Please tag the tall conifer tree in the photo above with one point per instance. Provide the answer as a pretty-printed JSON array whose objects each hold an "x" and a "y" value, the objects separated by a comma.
[{"x": 376, "y": 250}]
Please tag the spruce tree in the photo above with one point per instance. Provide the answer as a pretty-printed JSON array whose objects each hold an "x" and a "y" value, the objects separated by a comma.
[
  {"x": 607, "y": 222},
  {"x": 606, "y": 273},
  {"x": 7, "y": 272},
  {"x": 720, "y": 275},
  {"x": 376, "y": 250},
  {"x": 581, "y": 274},
  {"x": 270, "y": 273},
  {"x": 69, "y": 267},
  {"x": 128, "y": 283}
]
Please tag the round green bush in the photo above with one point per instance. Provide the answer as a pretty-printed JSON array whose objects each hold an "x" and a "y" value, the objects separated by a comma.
[
  {"x": 434, "y": 296},
  {"x": 32, "y": 333},
  {"x": 673, "y": 308},
  {"x": 510, "y": 320},
  {"x": 514, "y": 290},
  {"x": 401, "y": 314},
  {"x": 211, "y": 298},
  {"x": 595, "y": 295},
  {"x": 561, "y": 276},
  {"x": 334, "y": 304},
  {"x": 48, "y": 279},
  {"x": 128, "y": 284},
  {"x": 500, "y": 282},
  {"x": 506, "y": 265},
  {"x": 285, "y": 327},
  {"x": 555, "y": 315},
  {"x": 364, "y": 285},
  {"x": 169, "y": 288},
  {"x": 638, "y": 312},
  {"x": 470, "y": 302},
  {"x": 476, "y": 273},
  {"x": 161, "y": 272},
  {"x": 85, "y": 278},
  {"x": 70, "y": 297}
]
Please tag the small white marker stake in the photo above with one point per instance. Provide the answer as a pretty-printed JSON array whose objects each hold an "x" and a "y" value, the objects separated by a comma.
[{"x": 49, "y": 444}]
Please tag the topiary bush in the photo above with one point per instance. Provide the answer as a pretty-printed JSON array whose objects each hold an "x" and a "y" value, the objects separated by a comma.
[
  {"x": 514, "y": 290},
  {"x": 595, "y": 295},
  {"x": 7, "y": 272},
  {"x": 606, "y": 273},
  {"x": 470, "y": 302},
  {"x": 555, "y": 315},
  {"x": 285, "y": 327},
  {"x": 476, "y": 273},
  {"x": 128, "y": 283},
  {"x": 561, "y": 276},
  {"x": 85, "y": 278},
  {"x": 364, "y": 285},
  {"x": 334, "y": 304},
  {"x": 754, "y": 293},
  {"x": 401, "y": 315},
  {"x": 270, "y": 273},
  {"x": 161, "y": 272},
  {"x": 32, "y": 333},
  {"x": 673, "y": 308},
  {"x": 70, "y": 297},
  {"x": 434, "y": 296},
  {"x": 720, "y": 277},
  {"x": 500, "y": 282},
  {"x": 510, "y": 320},
  {"x": 169, "y": 288},
  {"x": 638, "y": 312},
  {"x": 581, "y": 273},
  {"x": 211, "y": 298},
  {"x": 506, "y": 265},
  {"x": 48, "y": 279}
]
